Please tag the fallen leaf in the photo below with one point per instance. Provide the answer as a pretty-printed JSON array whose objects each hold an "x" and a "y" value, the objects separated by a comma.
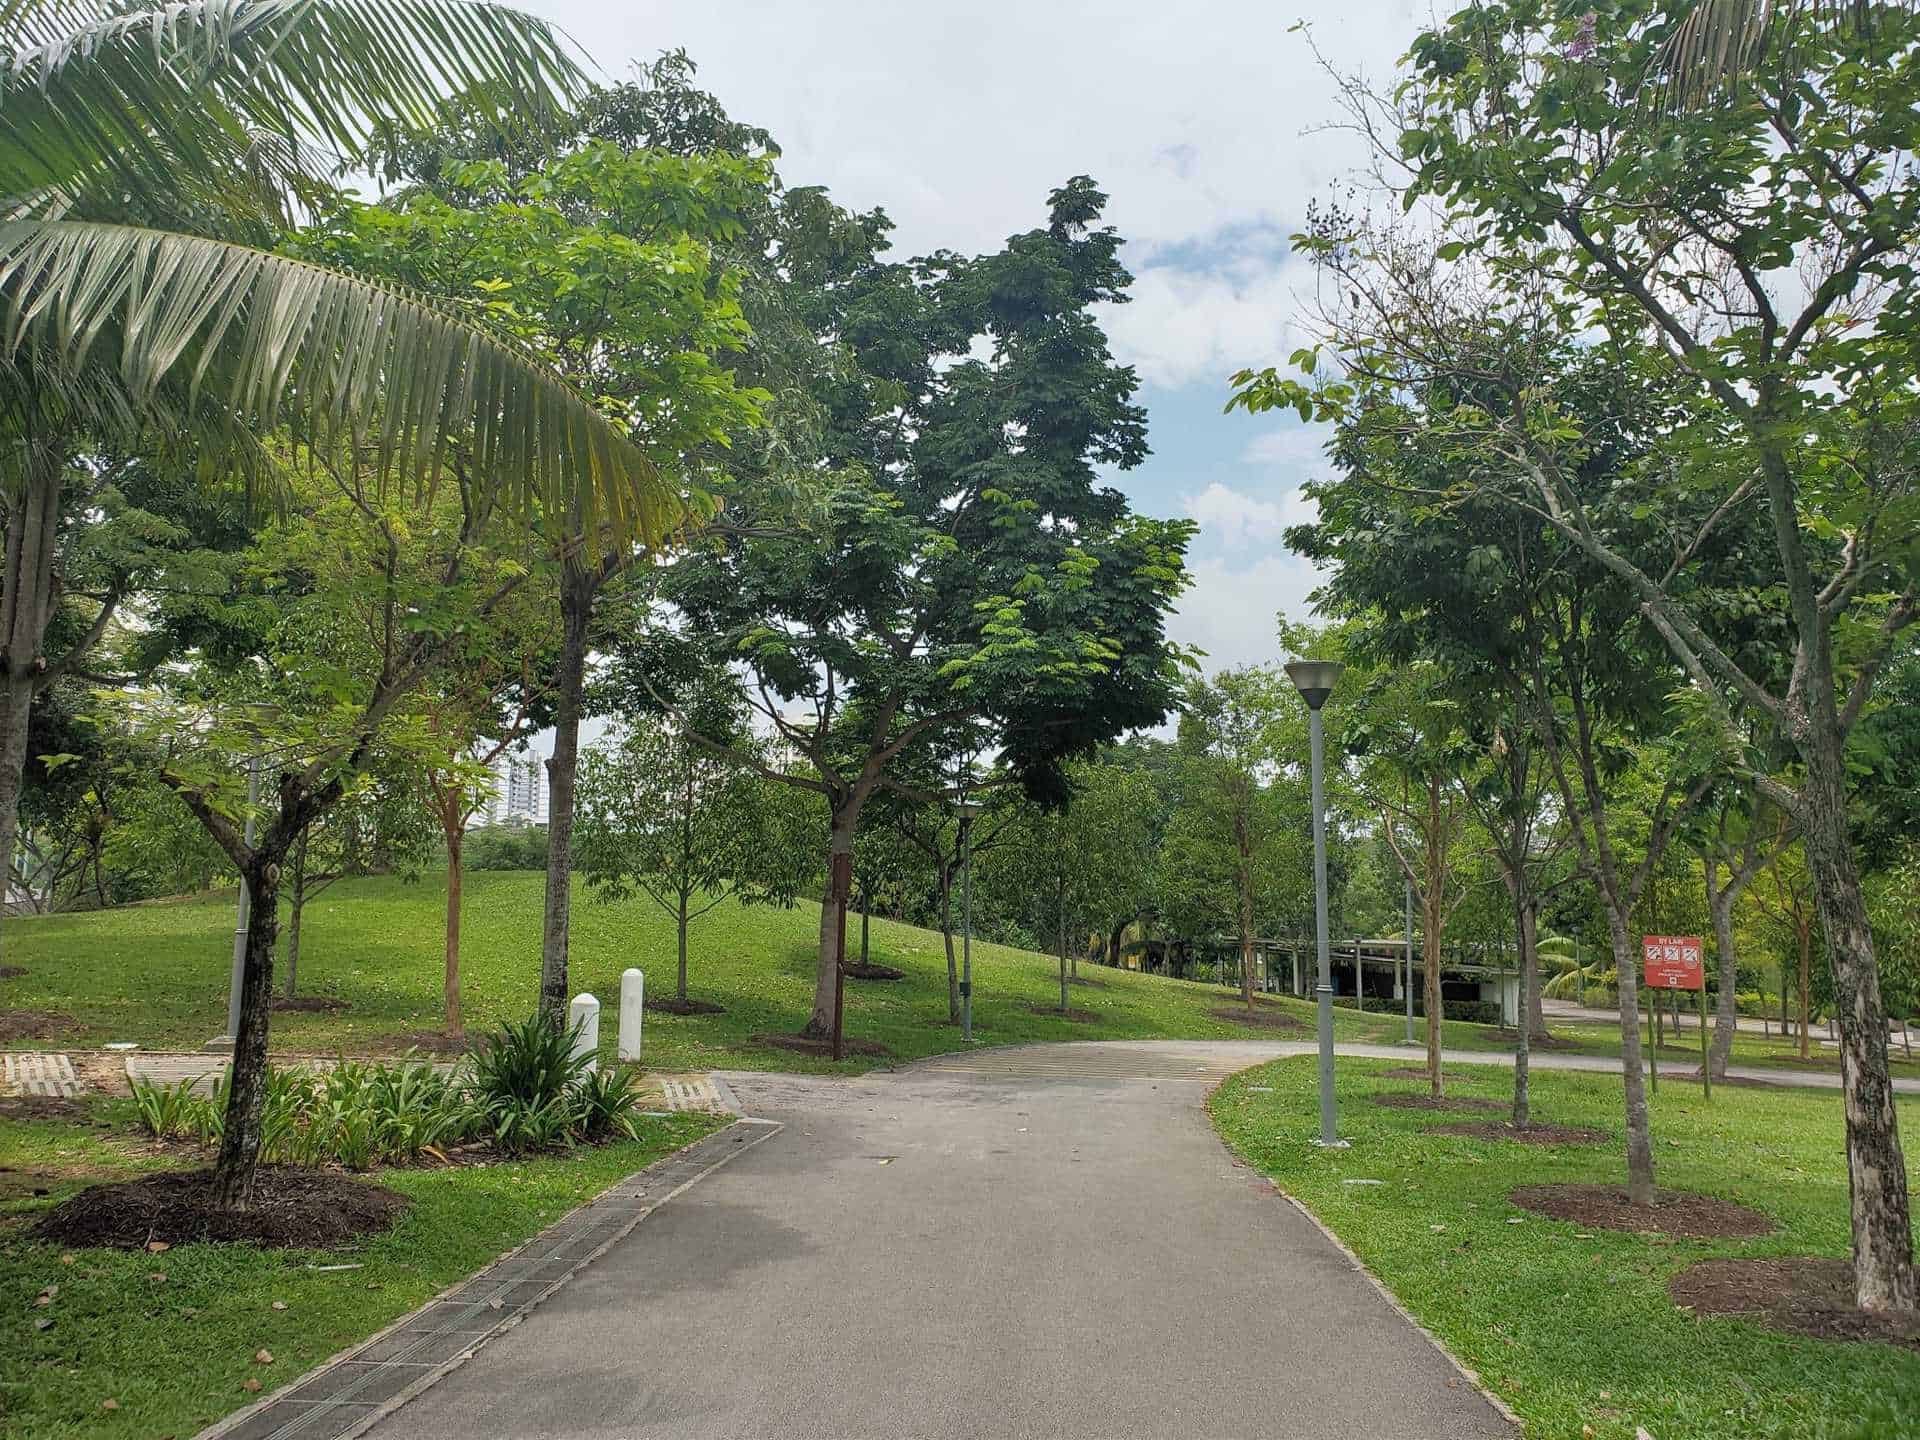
[
  {"x": 250, "y": 1385},
  {"x": 279, "y": 1304},
  {"x": 67, "y": 1259},
  {"x": 263, "y": 1357},
  {"x": 109, "y": 1404},
  {"x": 154, "y": 1247},
  {"x": 159, "y": 1277},
  {"x": 1437, "y": 1229},
  {"x": 43, "y": 1323}
]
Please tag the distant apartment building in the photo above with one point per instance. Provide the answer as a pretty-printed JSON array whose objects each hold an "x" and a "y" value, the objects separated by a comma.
[{"x": 519, "y": 791}]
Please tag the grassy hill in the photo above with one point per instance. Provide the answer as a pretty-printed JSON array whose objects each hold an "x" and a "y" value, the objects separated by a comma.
[{"x": 157, "y": 974}]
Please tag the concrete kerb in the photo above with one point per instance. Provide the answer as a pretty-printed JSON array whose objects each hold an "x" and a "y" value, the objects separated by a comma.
[{"x": 363, "y": 1384}]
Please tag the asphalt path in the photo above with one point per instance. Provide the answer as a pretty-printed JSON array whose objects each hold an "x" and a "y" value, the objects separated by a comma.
[{"x": 1041, "y": 1242}]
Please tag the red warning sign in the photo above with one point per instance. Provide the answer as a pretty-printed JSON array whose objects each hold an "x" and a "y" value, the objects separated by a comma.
[{"x": 1673, "y": 962}]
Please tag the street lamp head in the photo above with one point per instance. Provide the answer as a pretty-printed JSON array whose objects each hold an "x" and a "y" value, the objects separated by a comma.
[{"x": 1314, "y": 679}]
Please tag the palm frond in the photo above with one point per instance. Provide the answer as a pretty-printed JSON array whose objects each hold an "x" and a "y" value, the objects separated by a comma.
[
  {"x": 178, "y": 321},
  {"x": 1718, "y": 43},
  {"x": 151, "y": 101}
]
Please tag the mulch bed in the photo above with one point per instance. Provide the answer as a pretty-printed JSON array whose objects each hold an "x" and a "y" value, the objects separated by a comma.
[
  {"x": 292, "y": 1208},
  {"x": 1798, "y": 1294},
  {"x": 1054, "y": 1012},
  {"x": 1532, "y": 1135},
  {"x": 1091, "y": 984},
  {"x": 674, "y": 1005},
  {"x": 1732, "y": 1082},
  {"x": 309, "y": 1004},
  {"x": 12, "y": 972},
  {"x": 1406, "y": 1100},
  {"x": 807, "y": 1045},
  {"x": 1259, "y": 1019},
  {"x": 874, "y": 972},
  {"x": 35, "y": 1024},
  {"x": 1673, "y": 1212}
]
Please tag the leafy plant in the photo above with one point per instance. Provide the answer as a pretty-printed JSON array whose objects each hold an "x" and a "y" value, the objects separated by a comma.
[
  {"x": 165, "y": 1110},
  {"x": 604, "y": 1102},
  {"x": 529, "y": 1063}
]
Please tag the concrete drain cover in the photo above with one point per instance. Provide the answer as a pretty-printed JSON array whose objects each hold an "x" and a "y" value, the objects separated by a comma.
[{"x": 34, "y": 1073}]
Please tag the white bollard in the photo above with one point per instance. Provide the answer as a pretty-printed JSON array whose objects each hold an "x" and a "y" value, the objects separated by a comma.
[
  {"x": 633, "y": 1002},
  {"x": 583, "y": 1018}
]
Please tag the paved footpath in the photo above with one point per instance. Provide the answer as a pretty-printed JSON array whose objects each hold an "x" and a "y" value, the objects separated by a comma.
[{"x": 1040, "y": 1242}]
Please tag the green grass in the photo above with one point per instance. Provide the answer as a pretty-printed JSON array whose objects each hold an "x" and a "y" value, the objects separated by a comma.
[
  {"x": 175, "y": 1352},
  {"x": 157, "y": 975},
  {"x": 1573, "y": 1327}
]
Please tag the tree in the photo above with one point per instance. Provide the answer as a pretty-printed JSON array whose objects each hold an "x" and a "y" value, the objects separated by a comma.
[
  {"x": 663, "y": 815},
  {"x": 379, "y": 808},
  {"x": 962, "y": 565},
  {"x": 344, "y": 651},
  {"x": 610, "y": 263},
  {"x": 1676, "y": 235},
  {"x": 1406, "y": 729},
  {"x": 149, "y": 159},
  {"x": 1063, "y": 872},
  {"x": 1740, "y": 839},
  {"x": 1230, "y": 746}
]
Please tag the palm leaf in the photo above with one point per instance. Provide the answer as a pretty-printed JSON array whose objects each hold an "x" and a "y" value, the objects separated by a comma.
[
  {"x": 1720, "y": 42},
  {"x": 181, "y": 322},
  {"x": 152, "y": 102}
]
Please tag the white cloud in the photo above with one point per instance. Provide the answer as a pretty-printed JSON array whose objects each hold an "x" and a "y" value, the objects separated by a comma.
[
  {"x": 1230, "y": 611},
  {"x": 1234, "y": 519}
]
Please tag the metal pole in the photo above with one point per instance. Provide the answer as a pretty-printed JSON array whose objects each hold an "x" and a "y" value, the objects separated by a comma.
[
  {"x": 1327, "y": 1135},
  {"x": 243, "y": 912},
  {"x": 966, "y": 928},
  {"x": 1408, "y": 986}
]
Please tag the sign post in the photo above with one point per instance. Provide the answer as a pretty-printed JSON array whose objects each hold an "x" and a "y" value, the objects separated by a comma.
[{"x": 1674, "y": 962}]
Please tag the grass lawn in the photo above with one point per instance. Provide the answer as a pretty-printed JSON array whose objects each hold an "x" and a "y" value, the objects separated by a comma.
[
  {"x": 1572, "y": 1327},
  {"x": 157, "y": 975},
  {"x": 171, "y": 1337}
]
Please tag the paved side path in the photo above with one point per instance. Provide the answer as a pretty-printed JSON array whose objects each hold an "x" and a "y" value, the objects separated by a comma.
[
  {"x": 943, "y": 1253},
  {"x": 1217, "y": 1059}
]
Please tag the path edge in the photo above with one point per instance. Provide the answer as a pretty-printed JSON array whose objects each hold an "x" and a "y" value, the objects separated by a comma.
[{"x": 741, "y": 1144}]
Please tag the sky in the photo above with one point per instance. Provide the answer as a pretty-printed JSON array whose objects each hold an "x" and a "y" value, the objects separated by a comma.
[{"x": 1205, "y": 124}]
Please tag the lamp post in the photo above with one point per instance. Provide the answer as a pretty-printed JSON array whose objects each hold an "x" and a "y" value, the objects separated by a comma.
[
  {"x": 1314, "y": 679},
  {"x": 967, "y": 810}
]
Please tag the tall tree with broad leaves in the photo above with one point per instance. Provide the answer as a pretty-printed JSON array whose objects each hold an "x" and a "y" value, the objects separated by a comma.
[
  {"x": 1755, "y": 251},
  {"x": 613, "y": 263},
  {"x": 962, "y": 566},
  {"x": 150, "y": 160}
]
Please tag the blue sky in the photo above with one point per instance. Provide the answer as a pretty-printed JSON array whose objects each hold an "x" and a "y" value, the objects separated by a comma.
[{"x": 1204, "y": 123}]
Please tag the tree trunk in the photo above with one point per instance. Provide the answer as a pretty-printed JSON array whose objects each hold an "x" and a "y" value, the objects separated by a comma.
[
  {"x": 450, "y": 985},
  {"x": 26, "y": 604},
  {"x": 1525, "y": 923},
  {"x": 1639, "y": 1129},
  {"x": 866, "y": 918},
  {"x": 569, "y": 682},
  {"x": 1246, "y": 926},
  {"x": 1726, "y": 1010},
  {"x": 240, "y": 1137},
  {"x": 1060, "y": 939},
  {"x": 946, "y": 934},
  {"x": 296, "y": 910},
  {"x": 1806, "y": 983},
  {"x": 1883, "y": 1274},
  {"x": 1431, "y": 924},
  {"x": 681, "y": 935},
  {"x": 841, "y": 827}
]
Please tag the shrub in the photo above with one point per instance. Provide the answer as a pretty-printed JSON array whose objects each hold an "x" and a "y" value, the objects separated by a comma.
[
  {"x": 604, "y": 1103},
  {"x": 505, "y": 847},
  {"x": 165, "y": 1110},
  {"x": 528, "y": 1063}
]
